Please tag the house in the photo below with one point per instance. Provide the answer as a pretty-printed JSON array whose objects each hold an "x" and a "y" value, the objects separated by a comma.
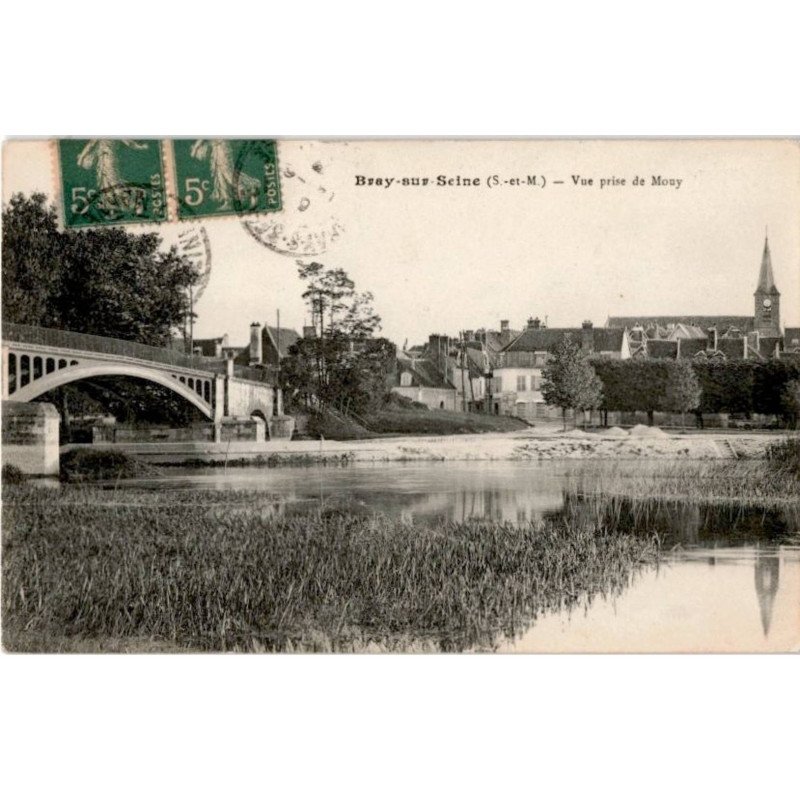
[
  {"x": 421, "y": 379},
  {"x": 268, "y": 346},
  {"x": 517, "y": 377},
  {"x": 445, "y": 373}
]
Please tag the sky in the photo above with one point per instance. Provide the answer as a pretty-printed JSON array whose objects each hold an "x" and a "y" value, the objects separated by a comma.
[{"x": 453, "y": 257}]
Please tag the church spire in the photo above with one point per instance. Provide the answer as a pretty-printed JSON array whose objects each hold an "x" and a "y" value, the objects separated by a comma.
[{"x": 766, "y": 280}]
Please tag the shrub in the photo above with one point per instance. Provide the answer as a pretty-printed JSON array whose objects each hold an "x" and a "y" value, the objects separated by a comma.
[
  {"x": 97, "y": 465},
  {"x": 12, "y": 474}
]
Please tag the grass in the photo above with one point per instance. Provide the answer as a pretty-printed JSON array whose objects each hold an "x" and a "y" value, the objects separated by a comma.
[
  {"x": 433, "y": 421},
  {"x": 408, "y": 419},
  {"x": 213, "y": 571},
  {"x": 784, "y": 458},
  {"x": 747, "y": 483}
]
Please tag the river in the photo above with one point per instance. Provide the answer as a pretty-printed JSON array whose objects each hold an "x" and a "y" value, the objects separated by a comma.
[{"x": 728, "y": 579}]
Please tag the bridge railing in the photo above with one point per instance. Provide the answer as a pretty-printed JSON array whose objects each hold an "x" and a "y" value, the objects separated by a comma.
[
  {"x": 52, "y": 337},
  {"x": 71, "y": 340}
]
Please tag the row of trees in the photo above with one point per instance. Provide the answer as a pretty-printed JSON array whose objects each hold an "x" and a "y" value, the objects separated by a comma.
[
  {"x": 571, "y": 381},
  {"x": 743, "y": 387}
]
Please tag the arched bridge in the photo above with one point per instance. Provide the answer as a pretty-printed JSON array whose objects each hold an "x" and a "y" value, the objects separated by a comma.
[{"x": 38, "y": 360}]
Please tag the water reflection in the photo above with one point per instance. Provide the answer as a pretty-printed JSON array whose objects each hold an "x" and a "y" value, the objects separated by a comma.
[
  {"x": 516, "y": 492},
  {"x": 685, "y": 605},
  {"x": 768, "y": 576}
]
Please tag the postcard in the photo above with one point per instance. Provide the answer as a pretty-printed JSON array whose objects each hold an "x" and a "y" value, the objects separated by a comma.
[{"x": 400, "y": 396}]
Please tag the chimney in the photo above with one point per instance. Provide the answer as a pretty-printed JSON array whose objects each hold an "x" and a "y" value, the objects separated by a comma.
[
  {"x": 713, "y": 338},
  {"x": 256, "y": 346},
  {"x": 218, "y": 348},
  {"x": 309, "y": 332},
  {"x": 503, "y": 325},
  {"x": 469, "y": 336},
  {"x": 534, "y": 323},
  {"x": 437, "y": 347},
  {"x": 587, "y": 337}
]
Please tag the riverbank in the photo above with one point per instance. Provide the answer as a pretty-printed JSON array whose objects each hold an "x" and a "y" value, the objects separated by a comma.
[{"x": 541, "y": 442}]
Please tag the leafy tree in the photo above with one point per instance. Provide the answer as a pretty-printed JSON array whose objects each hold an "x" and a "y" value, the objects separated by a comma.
[
  {"x": 356, "y": 376},
  {"x": 791, "y": 400},
  {"x": 107, "y": 281},
  {"x": 32, "y": 261},
  {"x": 336, "y": 307},
  {"x": 683, "y": 390},
  {"x": 342, "y": 365},
  {"x": 634, "y": 384},
  {"x": 727, "y": 386},
  {"x": 769, "y": 381},
  {"x": 569, "y": 380}
]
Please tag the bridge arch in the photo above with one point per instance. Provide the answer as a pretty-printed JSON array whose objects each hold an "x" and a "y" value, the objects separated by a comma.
[{"x": 78, "y": 372}]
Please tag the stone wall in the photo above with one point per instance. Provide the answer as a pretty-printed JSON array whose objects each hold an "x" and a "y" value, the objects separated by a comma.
[
  {"x": 431, "y": 397},
  {"x": 242, "y": 429},
  {"x": 133, "y": 433},
  {"x": 244, "y": 397},
  {"x": 30, "y": 437}
]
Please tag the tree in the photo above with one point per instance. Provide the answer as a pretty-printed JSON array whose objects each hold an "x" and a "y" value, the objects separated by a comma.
[
  {"x": 342, "y": 365},
  {"x": 683, "y": 390},
  {"x": 791, "y": 401},
  {"x": 569, "y": 380},
  {"x": 336, "y": 307},
  {"x": 32, "y": 261},
  {"x": 106, "y": 281}
]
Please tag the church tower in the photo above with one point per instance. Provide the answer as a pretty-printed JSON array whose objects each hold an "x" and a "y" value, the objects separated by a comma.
[{"x": 767, "y": 298}]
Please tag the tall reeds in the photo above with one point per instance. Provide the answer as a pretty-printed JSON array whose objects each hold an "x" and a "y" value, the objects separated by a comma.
[{"x": 217, "y": 571}]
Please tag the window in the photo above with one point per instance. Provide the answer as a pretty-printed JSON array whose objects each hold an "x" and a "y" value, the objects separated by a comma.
[
  {"x": 536, "y": 382},
  {"x": 405, "y": 379},
  {"x": 521, "y": 383}
]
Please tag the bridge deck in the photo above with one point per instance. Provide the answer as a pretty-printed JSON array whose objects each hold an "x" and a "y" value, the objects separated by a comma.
[{"x": 105, "y": 345}]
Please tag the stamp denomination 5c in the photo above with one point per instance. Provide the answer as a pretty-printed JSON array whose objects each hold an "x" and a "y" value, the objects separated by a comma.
[
  {"x": 111, "y": 181},
  {"x": 217, "y": 177}
]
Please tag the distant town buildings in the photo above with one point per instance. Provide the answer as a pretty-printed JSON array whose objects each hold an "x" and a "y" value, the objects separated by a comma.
[
  {"x": 500, "y": 371},
  {"x": 268, "y": 346}
]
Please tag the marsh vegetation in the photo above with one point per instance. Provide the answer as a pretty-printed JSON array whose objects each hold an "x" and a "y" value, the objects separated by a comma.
[{"x": 86, "y": 569}]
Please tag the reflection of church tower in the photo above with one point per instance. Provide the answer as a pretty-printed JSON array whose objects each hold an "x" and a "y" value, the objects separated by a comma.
[
  {"x": 768, "y": 569},
  {"x": 767, "y": 298}
]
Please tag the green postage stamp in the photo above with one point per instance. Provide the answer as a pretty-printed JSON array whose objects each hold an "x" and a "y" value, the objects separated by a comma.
[
  {"x": 112, "y": 181},
  {"x": 226, "y": 176},
  {"x": 119, "y": 181}
]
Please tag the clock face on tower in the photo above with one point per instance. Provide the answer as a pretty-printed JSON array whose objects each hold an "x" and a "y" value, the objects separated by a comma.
[{"x": 767, "y": 303}]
